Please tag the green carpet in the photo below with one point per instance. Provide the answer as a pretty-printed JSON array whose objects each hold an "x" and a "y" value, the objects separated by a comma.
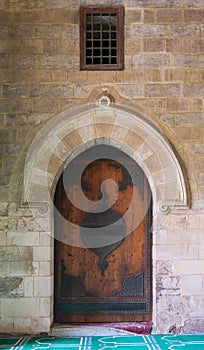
[{"x": 143, "y": 342}]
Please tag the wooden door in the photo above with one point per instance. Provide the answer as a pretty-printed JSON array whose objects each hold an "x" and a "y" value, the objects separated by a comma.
[{"x": 103, "y": 275}]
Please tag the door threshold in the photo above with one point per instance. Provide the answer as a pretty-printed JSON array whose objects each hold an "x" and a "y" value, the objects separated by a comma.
[{"x": 101, "y": 329}]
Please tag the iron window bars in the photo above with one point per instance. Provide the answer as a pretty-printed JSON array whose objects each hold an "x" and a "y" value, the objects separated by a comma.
[{"x": 101, "y": 38}]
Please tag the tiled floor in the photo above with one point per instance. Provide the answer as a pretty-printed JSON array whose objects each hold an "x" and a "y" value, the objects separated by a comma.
[{"x": 137, "y": 342}]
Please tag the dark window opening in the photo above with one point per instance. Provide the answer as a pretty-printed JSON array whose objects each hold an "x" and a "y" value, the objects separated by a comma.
[{"x": 101, "y": 38}]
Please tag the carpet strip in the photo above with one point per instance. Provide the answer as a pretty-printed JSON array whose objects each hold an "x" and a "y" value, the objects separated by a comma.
[
  {"x": 143, "y": 328},
  {"x": 137, "y": 342}
]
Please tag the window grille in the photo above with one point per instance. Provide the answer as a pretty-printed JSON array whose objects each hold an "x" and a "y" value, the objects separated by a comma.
[{"x": 101, "y": 45}]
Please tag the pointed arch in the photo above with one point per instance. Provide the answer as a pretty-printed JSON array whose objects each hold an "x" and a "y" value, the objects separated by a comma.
[{"x": 79, "y": 128}]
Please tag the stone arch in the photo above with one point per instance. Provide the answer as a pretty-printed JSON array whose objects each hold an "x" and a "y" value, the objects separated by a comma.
[{"x": 81, "y": 127}]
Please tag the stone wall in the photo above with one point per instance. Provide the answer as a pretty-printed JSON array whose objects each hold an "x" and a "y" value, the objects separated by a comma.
[{"x": 163, "y": 80}]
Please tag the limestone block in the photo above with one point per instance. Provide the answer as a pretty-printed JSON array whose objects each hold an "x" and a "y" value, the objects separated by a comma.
[
  {"x": 164, "y": 268},
  {"x": 194, "y": 90},
  {"x": 22, "y": 46},
  {"x": 22, "y": 325},
  {"x": 189, "y": 267},
  {"x": 177, "y": 221},
  {"x": 150, "y": 30},
  {"x": 58, "y": 90},
  {"x": 119, "y": 133},
  {"x": 165, "y": 3},
  {"x": 16, "y": 254},
  {"x": 145, "y": 150},
  {"x": 54, "y": 164},
  {"x": 171, "y": 252},
  {"x": 61, "y": 151},
  {"x": 3, "y": 238},
  {"x": 171, "y": 16},
  {"x": 175, "y": 74},
  {"x": 193, "y": 45},
  {"x": 23, "y": 239},
  {"x": 24, "y": 307},
  {"x": 43, "y": 286},
  {"x": 153, "y": 163},
  {"x": 101, "y": 77},
  {"x": 133, "y": 140},
  {"x": 44, "y": 176},
  {"x": 45, "y": 269},
  {"x": 191, "y": 237},
  {"x": 41, "y": 31},
  {"x": 162, "y": 90},
  {"x": 5, "y": 268},
  {"x": 29, "y": 4},
  {"x": 44, "y": 105},
  {"x": 193, "y": 251},
  {"x": 41, "y": 324},
  {"x": 70, "y": 31},
  {"x": 73, "y": 140},
  {"x": 197, "y": 105},
  {"x": 149, "y": 16},
  {"x": 139, "y": 4},
  {"x": 57, "y": 61},
  {"x": 103, "y": 130},
  {"x": 28, "y": 286},
  {"x": 196, "y": 305},
  {"x": 87, "y": 133},
  {"x": 101, "y": 2},
  {"x": 178, "y": 105},
  {"x": 5, "y": 106},
  {"x": 161, "y": 237},
  {"x": 154, "y": 45},
  {"x": 38, "y": 223},
  {"x": 168, "y": 285},
  {"x": 42, "y": 253},
  {"x": 192, "y": 3},
  {"x": 193, "y": 15},
  {"x": 185, "y": 29},
  {"x": 45, "y": 307},
  {"x": 15, "y": 90},
  {"x": 201, "y": 249},
  {"x": 186, "y": 60},
  {"x": 60, "y": 4},
  {"x": 46, "y": 238},
  {"x": 150, "y": 60},
  {"x": 195, "y": 149},
  {"x": 35, "y": 16},
  {"x": 5, "y": 17},
  {"x": 9, "y": 285},
  {"x": 194, "y": 325},
  {"x": 64, "y": 16},
  {"x": 131, "y": 90},
  {"x": 76, "y": 76},
  {"x": 196, "y": 221},
  {"x": 23, "y": 61},
  {"x": 190, "y": 119},
  {"x": 83, "y": 90},
  {"x": 171, "y": 307},
  {"x": 21, "y": 267},
  {"x": 7, "y": 325},
  {"x": 195, "y": 75},
  {"x": 192, "y": 285}
]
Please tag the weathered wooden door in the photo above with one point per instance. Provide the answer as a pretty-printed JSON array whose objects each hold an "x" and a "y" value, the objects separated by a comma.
[{"x": 103, "y": 267}]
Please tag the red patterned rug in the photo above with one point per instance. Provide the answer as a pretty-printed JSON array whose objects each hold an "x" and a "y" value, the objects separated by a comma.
[{"x": 143, "y": 328}]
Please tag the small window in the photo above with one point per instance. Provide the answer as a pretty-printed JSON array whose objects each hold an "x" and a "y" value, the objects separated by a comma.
[{"x": 101, "y": 38}]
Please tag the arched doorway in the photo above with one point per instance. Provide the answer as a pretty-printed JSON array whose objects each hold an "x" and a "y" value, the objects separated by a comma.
[
  {"x": 66, "y": 135},
  {"x": 103, "y": 261}
]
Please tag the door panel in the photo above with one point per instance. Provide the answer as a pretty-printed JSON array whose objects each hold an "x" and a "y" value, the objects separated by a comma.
[{"x": 105, "y": 275}]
